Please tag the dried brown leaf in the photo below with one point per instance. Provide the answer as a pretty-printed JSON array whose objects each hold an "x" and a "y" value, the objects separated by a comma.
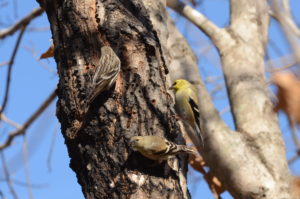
[
  {"x": 288, "y": 95},
  {"x": 295, "y": 187},
  {"x": 213, "y": 182},
  {"x": 48, "y": 53}
]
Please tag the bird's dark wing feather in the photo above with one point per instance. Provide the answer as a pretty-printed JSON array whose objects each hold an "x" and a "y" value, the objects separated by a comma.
[{"x": 195, "y": 110}]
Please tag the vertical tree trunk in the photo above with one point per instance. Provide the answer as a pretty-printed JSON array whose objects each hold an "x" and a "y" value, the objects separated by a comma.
[{"x": 139, "y": 104}]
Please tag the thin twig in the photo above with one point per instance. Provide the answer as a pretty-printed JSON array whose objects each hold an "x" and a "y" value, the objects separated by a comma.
[
  {"x": 4, "y": 63},
  {"x": 10, "y": 65},
  {"x": 22, "y": 130},
  {"x": 281, "y": 12},
  {"x": 15, "y": 9},
  {"x": 274, "y": 70},
  {"x": 294, "y": 158},
  {"x": 37, "y": 58},
  {"x": 9, "y": 121},
  {"x": 7, "y": 176},
  {"x": 295, "y": 136},
  {"x": 225, "y": 110},
  {"x": 24, "y": 184},
  {"x": 23, "y": 22},
  {"x": 51, "y": 149},
  {"x": 26, "y": 167},
  {"x": 39, "y": 29}
]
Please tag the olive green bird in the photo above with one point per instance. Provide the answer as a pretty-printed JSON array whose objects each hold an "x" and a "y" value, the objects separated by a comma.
[
  {"x": 186, "y": 105},
  {"x": 157, "y": 148}
]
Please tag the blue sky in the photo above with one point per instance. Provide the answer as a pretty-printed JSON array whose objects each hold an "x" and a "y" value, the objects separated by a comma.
[{"x": 32, "y": 81}]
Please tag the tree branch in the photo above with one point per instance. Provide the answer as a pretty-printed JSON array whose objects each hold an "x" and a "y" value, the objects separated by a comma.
[
  {"x": 281, "y": 63},
  {"x": 10, "y": 65},
  {"x": 7, "y": 177},
  {"x": 9, "y": 121},
  {"x": 205, "y": 25},
  {"x": 23, "y": 22},
  {"x": 25, "y": 126},
  {"x": 281, "y": 12}
]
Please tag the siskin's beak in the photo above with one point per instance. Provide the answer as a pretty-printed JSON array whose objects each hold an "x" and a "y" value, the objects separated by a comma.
[{"x": 133, "y": 141}]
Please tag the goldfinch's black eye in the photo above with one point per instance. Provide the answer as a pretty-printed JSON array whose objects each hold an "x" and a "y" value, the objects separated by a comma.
[{"x": 174, "y": 84}]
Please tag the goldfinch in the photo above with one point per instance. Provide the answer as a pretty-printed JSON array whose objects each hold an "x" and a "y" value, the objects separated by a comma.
[
  {"x": 157, "y": 148},
  {"x": 186, "y": 105}
]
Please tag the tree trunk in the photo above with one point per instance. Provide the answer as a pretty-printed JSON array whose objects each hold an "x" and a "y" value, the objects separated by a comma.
[{"x": 139, "y": 104}]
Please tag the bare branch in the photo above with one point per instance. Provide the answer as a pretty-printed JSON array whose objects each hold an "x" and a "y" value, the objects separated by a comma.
[
  {"x": 10, "y": 65},
  {"x": 49, "y": 157},
  {"x": 22, "y": 130},
  {"x": 281, "y": 63},
  {"x": 281, "y": 68},
  {"x": 7, "y": 176},
  {"x": 209, "y": 28},
  {"x": 26, "y": 167},
  {"x": 3, "y": 63},
  {"x": 15, "y": 5},
  {"x": 24, "y": 184},
  {"x": 294, "y": 158},
  {"x": 295, "y": 138},
  {"x": 287, "y": 19},
  {"x": 9, "y": 121},
  {"x": 23, "y": 22},
  {"x": 281, "y": 12}
]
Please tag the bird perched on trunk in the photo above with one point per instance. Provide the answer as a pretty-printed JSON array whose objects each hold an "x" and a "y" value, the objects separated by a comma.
[
  {"x": 106, "y": 72},
  {"x": 157, "y": 148},
  {"x": 186, "y": 105},
  {"x": 104, "y": 78}
]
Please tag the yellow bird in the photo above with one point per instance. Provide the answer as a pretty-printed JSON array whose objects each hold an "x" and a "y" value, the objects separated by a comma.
[{"x": 186, "y": 105}]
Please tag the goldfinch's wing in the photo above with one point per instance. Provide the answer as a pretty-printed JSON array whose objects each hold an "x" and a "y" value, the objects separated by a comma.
[
  {"x": 168, "y": 148},
  {"x": 195, "y": 109}
]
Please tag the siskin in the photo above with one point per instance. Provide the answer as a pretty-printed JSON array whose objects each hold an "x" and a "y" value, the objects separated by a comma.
[{"x": 106, "y": 72}]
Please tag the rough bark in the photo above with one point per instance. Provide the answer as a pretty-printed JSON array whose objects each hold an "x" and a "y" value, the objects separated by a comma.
[{"x": 139, "y": 104}]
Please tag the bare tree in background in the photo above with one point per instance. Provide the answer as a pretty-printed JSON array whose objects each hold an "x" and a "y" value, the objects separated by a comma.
[{"x": 249, "y": 162}]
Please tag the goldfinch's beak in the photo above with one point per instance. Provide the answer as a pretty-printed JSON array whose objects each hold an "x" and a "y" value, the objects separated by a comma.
[
  {"x": 171, "y": 87},
  {"x": 133, "y": 142}
]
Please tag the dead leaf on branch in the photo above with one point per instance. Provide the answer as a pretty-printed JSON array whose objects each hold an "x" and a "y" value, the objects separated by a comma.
[
  {"x": 288, "y": 95},
  {"x": 48, "y": 53},
  {"x": 213, "y": 182},
  {"x": 295, "y": 186}
]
